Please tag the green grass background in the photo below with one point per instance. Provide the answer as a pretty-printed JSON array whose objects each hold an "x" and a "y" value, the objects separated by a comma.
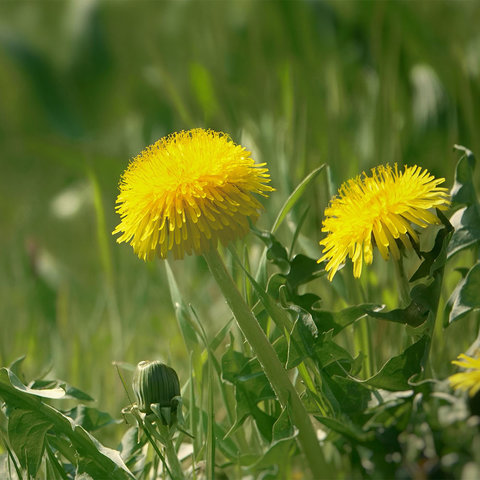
[{"x": 85, "y": 85}]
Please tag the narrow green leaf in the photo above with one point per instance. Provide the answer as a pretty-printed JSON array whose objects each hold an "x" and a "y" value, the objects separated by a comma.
[
  {"x": 210, "y": 461},
  {"x": 103, "y": 240},
  {"x": 220, "y": 336},
  {"x": 187, "y": 325},
  {"x": 295, "y": 196}
]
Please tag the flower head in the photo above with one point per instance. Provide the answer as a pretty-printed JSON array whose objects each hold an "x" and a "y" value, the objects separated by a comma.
[
  {"x": 380, "y": 209},
  {"x": 155, "y": 382},
  {"x": 469, "y": 380},
  {"x": 188, "y": 191}
]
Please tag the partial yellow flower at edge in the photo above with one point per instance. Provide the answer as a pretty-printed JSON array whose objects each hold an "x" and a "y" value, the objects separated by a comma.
[
  {"x": 379, "y": 209},
  {"x": 187, "y": 192},
  {"x": 469, "y": 380}
]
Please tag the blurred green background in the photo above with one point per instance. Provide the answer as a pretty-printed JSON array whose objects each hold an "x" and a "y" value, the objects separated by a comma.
[{"x": 86, "y": 85}]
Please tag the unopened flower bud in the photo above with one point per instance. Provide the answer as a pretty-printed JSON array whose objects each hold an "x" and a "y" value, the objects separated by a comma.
[{"x": 155, "y": 383}]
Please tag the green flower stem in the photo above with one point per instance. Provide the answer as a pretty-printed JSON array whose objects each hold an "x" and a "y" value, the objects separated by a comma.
[
  {"x": 172, "y": 457},
  {"x": 402, "y": 280},
  {"x": 436, "y": 290},
  {"x": 163, "y": 433},
  {"x": 149, "y": 431},
  {"x": 273, "y": 368},
  {"x": 363, "y": 338},
  {"x": 362, "y": 334}
]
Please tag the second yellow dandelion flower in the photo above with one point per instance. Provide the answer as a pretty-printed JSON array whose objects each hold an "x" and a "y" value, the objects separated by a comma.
[{"x": 380, "y": 209}]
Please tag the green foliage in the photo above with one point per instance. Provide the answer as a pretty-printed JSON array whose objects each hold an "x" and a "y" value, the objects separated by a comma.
[
  {"x": 34, "y": 426},
  {"x": 385, "y": 423},
  {"x": 321, "y": 91},
  {"x": 465, "y": 297}
]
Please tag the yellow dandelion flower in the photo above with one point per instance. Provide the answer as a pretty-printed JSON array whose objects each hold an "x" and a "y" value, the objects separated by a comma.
[
  {"x": 188, "y": 191},
  {"x": 469, "y": 380},
  {"x": 380, "y": 209}
]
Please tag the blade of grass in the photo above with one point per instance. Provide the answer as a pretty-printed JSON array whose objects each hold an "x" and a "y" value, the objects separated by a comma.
[{"x": 295, "y": 196}]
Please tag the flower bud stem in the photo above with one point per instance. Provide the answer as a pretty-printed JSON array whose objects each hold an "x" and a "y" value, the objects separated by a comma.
[
  {"x": 273, "y": 368},
  {"x": 171, "y": 454}
]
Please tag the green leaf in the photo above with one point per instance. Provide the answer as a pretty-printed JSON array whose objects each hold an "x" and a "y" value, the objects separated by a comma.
[
  {"x": 466, "y": 296},
  {"x": 220, "y": 336},
  {"x": 466, "y": 223},
  {"x": 210, "y": 439},
  {"x": 44, "y": 392},
  {"x": 276, "y": 252},
  {"x": 463, "y": 190},
  {"x": 222, "y": 441},
  {"x": 131, "y": 450},
  {"x": 295, "y": 196},
  {"x": 278, "y": 314},
  {"x": 16, "y": 365},
  {"x": 283, "y": 427},
  {"x": 70, "y": 392},
  {"x": 17, "y": 396},
  {"x": 275, "y": 458},
  {"x": 395, "y": 374},
  {"x": 189, "y": 328},
  {"x": 239, "y": 370},
  {"x": 90, "y": 418},
  {"x": 414, "y": 315},
  {"x": 328, "y": 352},
  {"x": 435, "y": 259},
  {"x": 352, "y": 396},
  {"x": 346, "y": 428},
  {"x": 337, "y": 321},
  {"x": 81, "y": 475},
  {"x": 182, "y": 312},
  {"x": 394, "y": 409},
  {"x": 26, "y": 432},
  {"x": 251, "y": 387},
  {"x": 303, "y": 269}
]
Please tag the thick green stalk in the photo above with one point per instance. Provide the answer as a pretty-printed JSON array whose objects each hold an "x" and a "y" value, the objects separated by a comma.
[
  {"x": 402, "y": 281},
  {"x": 273, "y": 368},
  {"x": 172, "y": 458}
]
